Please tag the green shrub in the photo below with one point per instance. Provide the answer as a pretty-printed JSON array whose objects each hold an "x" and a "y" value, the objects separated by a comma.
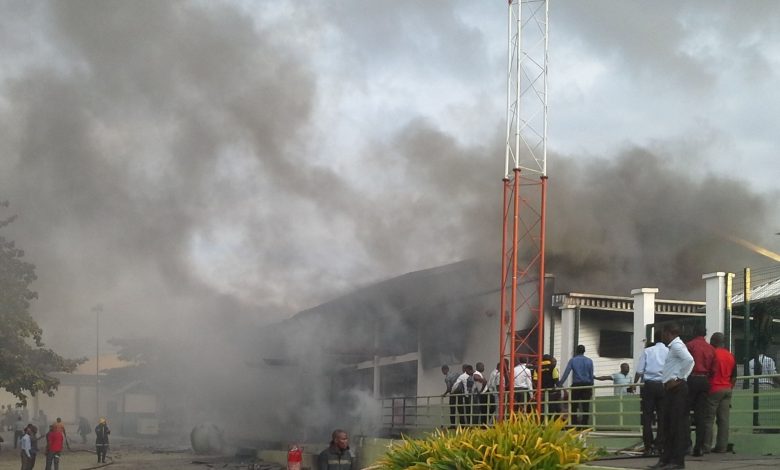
[{"x": 520, "y": 442}]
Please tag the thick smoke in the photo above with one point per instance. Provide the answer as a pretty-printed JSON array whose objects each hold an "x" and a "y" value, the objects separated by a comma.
[{"x": 168, "y": 160}]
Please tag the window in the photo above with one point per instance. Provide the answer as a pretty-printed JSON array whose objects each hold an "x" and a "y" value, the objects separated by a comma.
[{"x": 616, "y": 344}]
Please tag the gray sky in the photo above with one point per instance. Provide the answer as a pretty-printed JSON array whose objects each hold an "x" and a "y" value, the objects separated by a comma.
[{"x": 204, "y": 166}]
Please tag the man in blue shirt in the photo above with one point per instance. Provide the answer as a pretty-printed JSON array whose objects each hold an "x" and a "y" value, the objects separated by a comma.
[
  {"x": 650, "y": 370},
  {"x": 581, "y": 368}
]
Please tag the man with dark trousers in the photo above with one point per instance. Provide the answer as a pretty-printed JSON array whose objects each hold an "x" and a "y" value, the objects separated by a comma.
[
  {"x": 699, "y": 385},
  {"x": 581, "y": 368},
  {"x": 650, "y": 370},
  {"x": 676, "y": 421},
  {"x": 449, "y": 381}
]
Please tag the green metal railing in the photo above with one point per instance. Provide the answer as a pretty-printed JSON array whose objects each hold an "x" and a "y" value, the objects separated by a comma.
[{"x": 751, "y": 410}]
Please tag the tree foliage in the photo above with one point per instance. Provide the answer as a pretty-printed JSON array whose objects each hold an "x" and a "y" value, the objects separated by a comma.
[{"x": 25, "y": 364}]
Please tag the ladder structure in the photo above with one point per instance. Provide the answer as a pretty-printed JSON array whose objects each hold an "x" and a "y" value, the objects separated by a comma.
[{"x": 524, "y": 198}]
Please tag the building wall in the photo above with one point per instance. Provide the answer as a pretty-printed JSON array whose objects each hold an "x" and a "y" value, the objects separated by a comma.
[
  {"x": 481, "y": 346},
  {"x": 62, "y": 404},
  {"x": 589, "y": 337}
]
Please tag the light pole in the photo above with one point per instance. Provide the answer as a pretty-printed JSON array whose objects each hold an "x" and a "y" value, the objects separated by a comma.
[{"x": 97, "y": 309}]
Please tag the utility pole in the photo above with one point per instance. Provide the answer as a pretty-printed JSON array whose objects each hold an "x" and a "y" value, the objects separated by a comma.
[{"x": 97, "y": 309}]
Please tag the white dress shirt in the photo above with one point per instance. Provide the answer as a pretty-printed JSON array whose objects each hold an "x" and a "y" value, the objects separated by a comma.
[
  {"x": 463, "y": 379},
  {"x": 651, "y": 363},
  {"x": 679, "y": 362},
  {"x": 492, "y": 384},
  {"x": 523, "y": 377},
  {"x": 25, "y": 444},
  {"x": 767, "y": 368},
  {"x": 477, "y": 384}
]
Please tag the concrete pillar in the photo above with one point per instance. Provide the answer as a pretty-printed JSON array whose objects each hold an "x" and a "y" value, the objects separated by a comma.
[
  {"x": 568, "y": 320},
  {"x": 644, "y": 314},
  {"x": 715, "y": 299}
]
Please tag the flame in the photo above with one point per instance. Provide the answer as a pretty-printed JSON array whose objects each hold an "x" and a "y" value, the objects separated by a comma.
[{"x": 754, "y": 248}]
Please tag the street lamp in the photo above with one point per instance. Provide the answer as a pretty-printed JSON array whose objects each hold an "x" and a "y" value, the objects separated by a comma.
[{"x": 97, "y": 309}]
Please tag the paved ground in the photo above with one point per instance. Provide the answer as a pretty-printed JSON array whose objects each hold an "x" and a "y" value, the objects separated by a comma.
[{"x": 708, "y": 462}]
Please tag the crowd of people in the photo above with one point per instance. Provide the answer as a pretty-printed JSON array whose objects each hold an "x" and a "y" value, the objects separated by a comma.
[
  {"x": 473, "y": 399},
  {"x": 26, "y": 437},
  {"x": 677, "y": 381}
]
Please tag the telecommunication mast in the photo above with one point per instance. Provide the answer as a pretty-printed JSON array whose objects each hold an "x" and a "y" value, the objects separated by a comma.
[{"x": 524, "y": 195}]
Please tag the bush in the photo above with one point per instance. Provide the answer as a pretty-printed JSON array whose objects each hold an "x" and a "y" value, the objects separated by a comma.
[{"x": 520, "y": 442}]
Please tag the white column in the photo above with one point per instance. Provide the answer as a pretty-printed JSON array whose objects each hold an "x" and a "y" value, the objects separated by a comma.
[
  {"x": 715, "y": 299},
  {"x": 547, "y": 331},
  {"x": 568, "y": 314},
  {"x": 644, "y": 314}
]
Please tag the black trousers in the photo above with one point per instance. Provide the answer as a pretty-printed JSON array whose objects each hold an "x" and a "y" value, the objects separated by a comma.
[
  {"x": 479, "y": 408},
  {"x": 453, "y": 410},
  {"x": 464, "y": 409},
  {"x": 652, "y": 394},
  {"x": 698, "y": 393},
  {"x": 521, "y": 399},
  {"x": 676, "y": 425},
  {"x": 552, "y": 399},
  {"x": 102, "y": 450},
  {"x": 580, "y": 400},
  {"x": 492, "y": 400}
]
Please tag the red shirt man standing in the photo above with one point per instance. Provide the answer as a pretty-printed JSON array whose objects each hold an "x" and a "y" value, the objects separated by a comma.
[
  {"x": 721, "y": 384},
  {"x": 699, "y": 384},
  {"x": 54, "y": 441}
]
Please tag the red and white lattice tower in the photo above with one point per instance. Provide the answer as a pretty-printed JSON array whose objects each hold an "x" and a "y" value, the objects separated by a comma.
[{"x": 525, "y": 193}]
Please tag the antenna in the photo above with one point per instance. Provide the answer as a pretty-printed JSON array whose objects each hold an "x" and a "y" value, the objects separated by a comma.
[{"x": 525, "y": 197}]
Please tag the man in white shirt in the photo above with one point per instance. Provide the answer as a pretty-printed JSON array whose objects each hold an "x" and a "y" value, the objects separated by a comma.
[
  {"x": 479, "y": 398},
  {"x": 25, "y": 443},
  {"x": 649, "y": 370},
  {"x": 767, "y": 368},
  {"x": 622, "y": 380},
  {"x": 524, "y": 383},
  {"x": 492, "y": 389},
  {"x": 676, "y": 422},
  {"x": 464, "y": 387}
]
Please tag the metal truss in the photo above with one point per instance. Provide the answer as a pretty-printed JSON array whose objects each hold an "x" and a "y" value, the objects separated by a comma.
[{"x": 525, "y": 197}]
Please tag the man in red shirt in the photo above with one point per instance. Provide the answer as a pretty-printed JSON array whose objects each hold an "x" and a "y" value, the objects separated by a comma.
[
  {"x": 54, "y": 440},
  {"x": 699, "y": 384},
  {"x": 721, "y": 383}
]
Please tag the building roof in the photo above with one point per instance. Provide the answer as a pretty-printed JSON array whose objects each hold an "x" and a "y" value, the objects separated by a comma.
[{"x": 765, "y": 291}]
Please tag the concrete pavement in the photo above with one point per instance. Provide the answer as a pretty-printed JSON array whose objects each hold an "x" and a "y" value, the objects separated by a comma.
[{"x": 706, "y": 462}]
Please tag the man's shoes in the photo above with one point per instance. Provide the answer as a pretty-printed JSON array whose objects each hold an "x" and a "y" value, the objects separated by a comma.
[
  {"x": 658, "y": 466},
  {"x": 673, "y": 466},
  {"x": 697, "y": 453}
]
